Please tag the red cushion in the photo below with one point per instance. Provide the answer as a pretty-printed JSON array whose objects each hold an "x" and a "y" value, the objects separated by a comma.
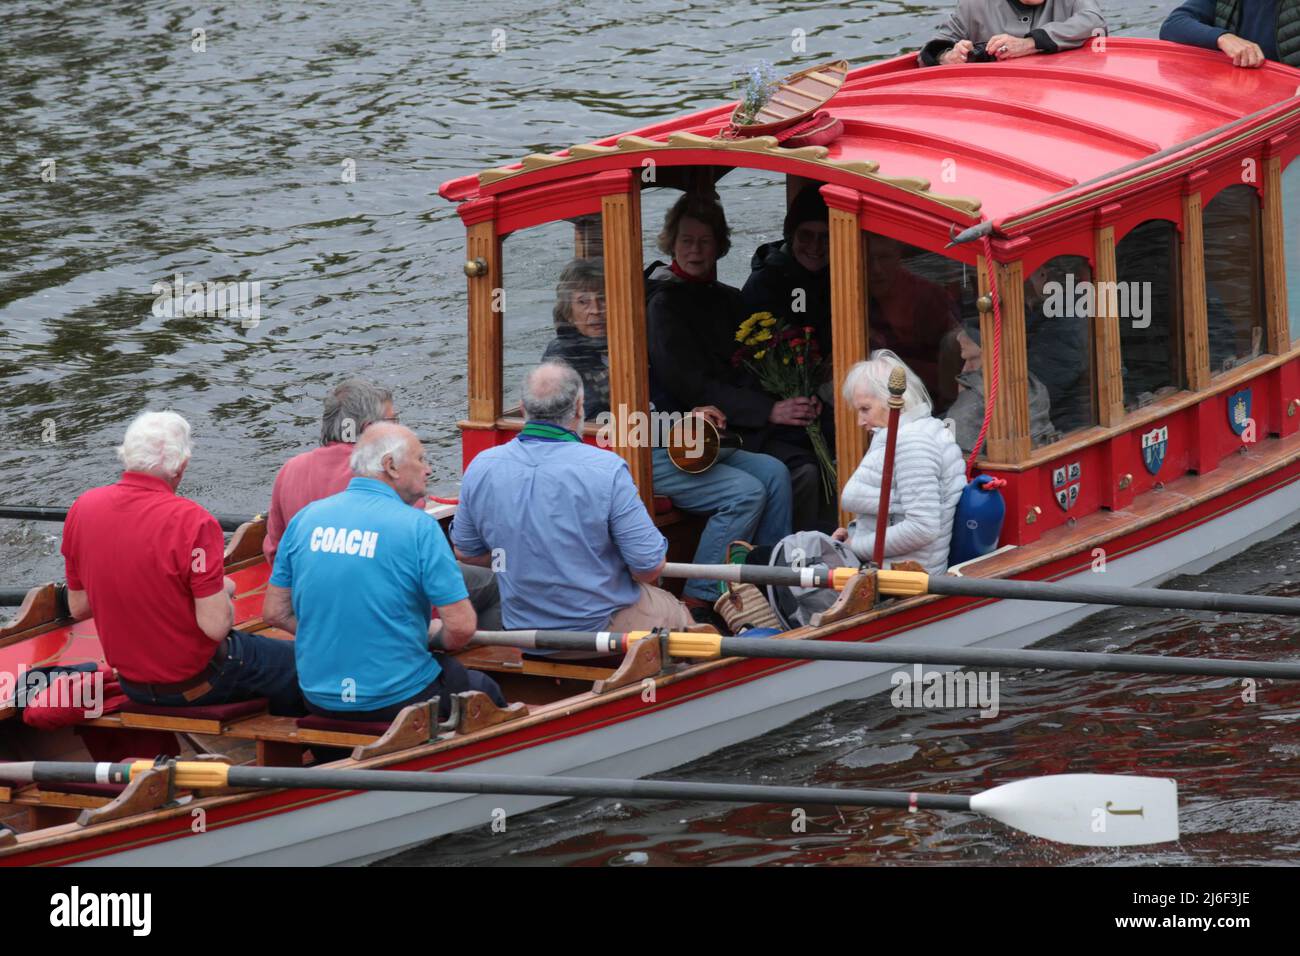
[
  {"x": 663, "y": 505},
  {"x": 313, "y": 722},
  {"x": 218, "y": 712}
]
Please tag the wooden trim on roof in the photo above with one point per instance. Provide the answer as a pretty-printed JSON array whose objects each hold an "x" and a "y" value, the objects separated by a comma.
[{"x": 814, "y": 156}]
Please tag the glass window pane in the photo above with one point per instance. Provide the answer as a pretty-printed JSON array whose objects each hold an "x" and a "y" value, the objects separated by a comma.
[
  {"x": 1058, "y": 339},
  {"x": 1291, "y": 219},
  {"x": 1148, "y": 304},
  {"x": 554, "y": 304},
  {"x": 1234, "y": 277}
]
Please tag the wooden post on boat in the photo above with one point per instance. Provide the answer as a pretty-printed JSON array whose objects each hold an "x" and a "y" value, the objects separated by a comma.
[
  {"x": 1196, "y": 339},
  {"x": 1008, "y": 437},
  {"x": 625, "y": 305},
  {"x": 483, "y": 277},
  {"x": 849, "y": 321},
  {"x": 897, "y": 386},
  {"x": 1278, "y": 325},
  {"x": 1105, "y": 335}
]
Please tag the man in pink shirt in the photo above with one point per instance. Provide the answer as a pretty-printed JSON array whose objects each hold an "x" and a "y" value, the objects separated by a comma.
[{"x": 324, "y": 471}]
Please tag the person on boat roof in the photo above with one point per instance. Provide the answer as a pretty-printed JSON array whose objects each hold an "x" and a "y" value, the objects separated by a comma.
[
  {"x": 1013, "y": 28},
  {"x": 967, "y": 413},
  {"x": 562, "y": 520},
  {"x": 147, "y": 564},
  {"x": 691, "y": 320},
  {"x": 580, "y": 340},
  {"x": 929, "y": 475},
  {"x": 1247, "y": 31},
  {"x": 355, "y": 578},
  {"x": 352, "y": 407}
]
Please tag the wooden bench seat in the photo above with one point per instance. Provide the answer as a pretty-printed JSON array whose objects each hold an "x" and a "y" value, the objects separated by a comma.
[
  {"x": 511, "y": 660},
  {"x": 281, "y": 741}
]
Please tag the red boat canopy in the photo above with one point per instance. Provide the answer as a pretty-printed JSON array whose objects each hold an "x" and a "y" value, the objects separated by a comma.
[{"x": 1000, "y": 141}]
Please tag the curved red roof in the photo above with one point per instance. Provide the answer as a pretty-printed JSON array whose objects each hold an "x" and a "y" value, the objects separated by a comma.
[{"x": 1009, "y": 135}]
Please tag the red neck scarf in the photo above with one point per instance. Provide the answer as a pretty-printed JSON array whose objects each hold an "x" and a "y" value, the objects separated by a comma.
[{"x": 683, "y": 274}]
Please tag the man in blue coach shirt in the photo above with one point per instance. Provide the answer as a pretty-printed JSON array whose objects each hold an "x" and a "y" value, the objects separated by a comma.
[{"x": 355, "y": 577}]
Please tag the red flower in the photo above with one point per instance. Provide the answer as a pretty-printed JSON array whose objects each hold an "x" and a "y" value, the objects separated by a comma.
[
  {"x": 796, "y": 343},
  {"x": 798, "y": 360}
]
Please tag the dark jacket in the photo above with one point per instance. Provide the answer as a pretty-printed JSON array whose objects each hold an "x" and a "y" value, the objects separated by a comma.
[
  {"x": 1273, "y": 24},
  {"x": 691, "y": 328},
  {"x": 773, "y": 283},
  {"x": 587, "y": 356}
]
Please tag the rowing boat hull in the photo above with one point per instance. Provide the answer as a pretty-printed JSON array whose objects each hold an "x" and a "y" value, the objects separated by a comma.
[{"x": 693, "y": 714}]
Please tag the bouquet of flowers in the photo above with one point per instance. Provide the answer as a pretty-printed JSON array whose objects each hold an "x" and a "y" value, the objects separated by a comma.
[
  {"x": 788, "y": 364},
  {"x": 760, "y": 83}
]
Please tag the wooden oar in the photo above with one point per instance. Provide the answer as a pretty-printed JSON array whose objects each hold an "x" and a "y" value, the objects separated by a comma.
[
  {"x": 1085, "y": 809},
  {"x": 897, "y": 386},
  {"x": 911, "y": 583},
  {"x": 42, "y": 513},
  {"x": 710, "y": 646},
  {"x": 12, "y": 597}
]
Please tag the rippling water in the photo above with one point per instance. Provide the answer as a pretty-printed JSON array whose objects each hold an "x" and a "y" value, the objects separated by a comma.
[{"x": 227, "y": 164}]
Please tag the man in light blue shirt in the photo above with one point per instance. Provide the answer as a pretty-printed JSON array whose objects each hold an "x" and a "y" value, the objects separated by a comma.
[
  {"x": 355, "y": 577},
  {"x": 562, "y": 524}
]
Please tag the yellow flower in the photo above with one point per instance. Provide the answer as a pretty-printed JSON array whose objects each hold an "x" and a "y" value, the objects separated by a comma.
[
  {"x": 786, "y": 360},
  {"x": 759, "y": 355},
  {"x": 768, "y": 322},
  {"x": 740, "y": 335},
  {"x": 762, "y": 336}
]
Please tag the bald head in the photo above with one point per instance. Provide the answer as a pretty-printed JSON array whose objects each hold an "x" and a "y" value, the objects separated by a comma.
[
  {"x": 391, "y": 453},
  {"x": 553, "y": 394}
]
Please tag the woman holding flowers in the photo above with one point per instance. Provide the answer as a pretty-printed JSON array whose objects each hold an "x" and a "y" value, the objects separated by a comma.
[
  {"x": 691, "y": 320},
  {"x": 929, "y": 474}
]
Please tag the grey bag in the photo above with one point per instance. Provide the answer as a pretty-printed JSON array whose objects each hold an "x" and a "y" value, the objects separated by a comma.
[{"x": 805, "y": 549}]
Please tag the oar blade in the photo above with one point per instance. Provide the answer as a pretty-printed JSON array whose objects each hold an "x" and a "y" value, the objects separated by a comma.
[{"x": 1087, "y": 809}]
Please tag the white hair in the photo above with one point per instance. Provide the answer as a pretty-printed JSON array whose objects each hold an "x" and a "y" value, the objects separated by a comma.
[
  {"x": 156, "y": 443},
  {"x": 873, "y": 375},
  {"x": 376, "y": 444}
]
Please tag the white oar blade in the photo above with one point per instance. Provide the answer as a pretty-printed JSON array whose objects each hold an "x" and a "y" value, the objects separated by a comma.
[{"x": 1087, "y": 809}]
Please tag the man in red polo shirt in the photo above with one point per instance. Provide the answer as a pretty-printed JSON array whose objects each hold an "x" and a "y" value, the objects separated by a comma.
[
  {"x": 147, "y": 564},
  {"x": 322, "y": 472}
]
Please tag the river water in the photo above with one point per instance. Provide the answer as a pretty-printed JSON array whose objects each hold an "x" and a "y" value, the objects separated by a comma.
[{"x": 235, "y": 161}]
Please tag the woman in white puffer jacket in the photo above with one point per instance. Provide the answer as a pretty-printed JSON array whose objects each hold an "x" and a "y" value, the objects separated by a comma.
[{"x": 929, "y": 474}]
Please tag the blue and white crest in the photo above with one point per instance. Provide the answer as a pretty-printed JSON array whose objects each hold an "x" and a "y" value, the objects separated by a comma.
[
  {"x": 1154, "y": 444},
  {"x": 1239, "y": 411},
  {"x": 1066, "y": 482}
]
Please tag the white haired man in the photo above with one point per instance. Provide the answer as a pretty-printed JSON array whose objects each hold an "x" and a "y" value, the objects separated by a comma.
[
  {"x": 352, "y": 407},
  {"x": 147, "y": 563},
  {"x": 580, "y": 550},
  {"x": 355, "y": 578}
]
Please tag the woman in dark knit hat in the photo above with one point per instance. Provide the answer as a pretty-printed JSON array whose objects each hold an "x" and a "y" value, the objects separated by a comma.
[{"x": 791, "y": 278}]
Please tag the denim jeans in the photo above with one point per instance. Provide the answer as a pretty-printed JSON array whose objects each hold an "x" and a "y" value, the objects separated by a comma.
[
  {"x": 255, "y": 666},
  {"x": 454, "y": 678},
  {"x": 746, "y": 496}
]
